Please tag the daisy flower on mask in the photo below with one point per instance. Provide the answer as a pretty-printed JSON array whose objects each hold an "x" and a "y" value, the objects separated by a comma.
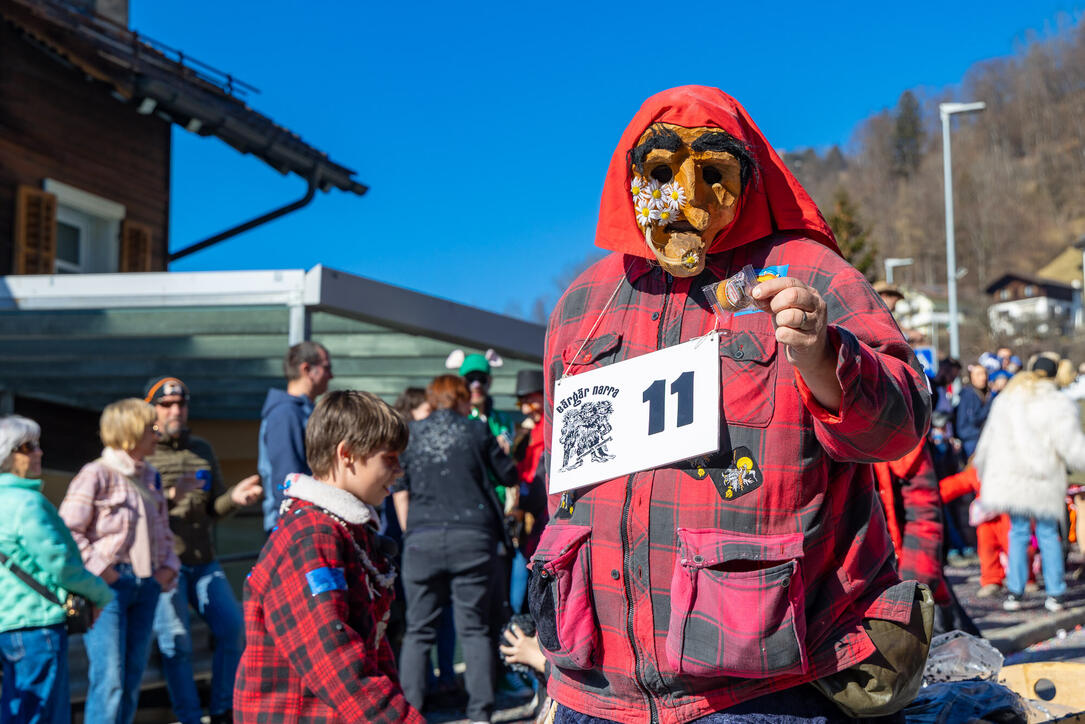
[
  {"x": 639, "y": 185},
  {"x": 654, "y": 195},
  {"x": 668, "y": 216},
  {"x": 674, "y": 196},
  {"x": 646, "y": 214}
]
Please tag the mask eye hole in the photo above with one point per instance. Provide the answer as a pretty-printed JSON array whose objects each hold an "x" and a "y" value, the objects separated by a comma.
[
  {"x": 711, "y": 175},
  {"x": 662, "y": 174}
]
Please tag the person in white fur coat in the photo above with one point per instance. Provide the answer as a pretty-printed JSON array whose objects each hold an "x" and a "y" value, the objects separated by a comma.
[{"x": 1033, "y": 434}]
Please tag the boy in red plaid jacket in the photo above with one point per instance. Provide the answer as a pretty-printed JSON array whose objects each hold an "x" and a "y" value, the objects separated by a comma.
[{"x": 317, "y": 602}]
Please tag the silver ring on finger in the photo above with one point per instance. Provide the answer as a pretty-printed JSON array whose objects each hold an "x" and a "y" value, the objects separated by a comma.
[{"x": 802, "y": 324}]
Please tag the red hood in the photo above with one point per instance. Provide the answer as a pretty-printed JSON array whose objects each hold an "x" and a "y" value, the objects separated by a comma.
[{"x": 774, "y": 202}]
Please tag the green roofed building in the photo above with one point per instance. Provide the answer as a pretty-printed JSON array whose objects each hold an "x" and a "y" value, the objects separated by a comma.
[{"x": 73, "y": 343}]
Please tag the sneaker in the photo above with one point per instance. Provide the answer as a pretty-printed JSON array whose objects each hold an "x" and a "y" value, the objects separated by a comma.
[
  {"x": 1053, "y": 604},
  {"x": 511, "y": 685},
  {"x": 988, "y": 590},
  {"x": 1011, "y": 603}
]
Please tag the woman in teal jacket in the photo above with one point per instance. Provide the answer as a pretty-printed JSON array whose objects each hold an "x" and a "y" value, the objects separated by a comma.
[{"x": 33, "y": 633}]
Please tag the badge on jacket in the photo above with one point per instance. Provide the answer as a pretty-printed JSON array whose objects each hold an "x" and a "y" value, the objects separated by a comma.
[
  {"x": 324, "y": 579},
  {"x": 741, "y": 476}
]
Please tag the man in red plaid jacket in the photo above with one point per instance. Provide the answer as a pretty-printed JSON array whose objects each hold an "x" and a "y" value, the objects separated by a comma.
[
  {"x": 693, "y": 590},
  {"x": 317, "y": 602},
  {"x": 908, "y": 489}
]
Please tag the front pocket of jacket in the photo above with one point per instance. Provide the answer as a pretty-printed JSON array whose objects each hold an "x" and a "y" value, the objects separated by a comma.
[
  {"x": 737, "y": 605},
  {"x": 559, "y": 596},
  {"x": 748, "y": 370},
  {"x": 111, "y": 518}
]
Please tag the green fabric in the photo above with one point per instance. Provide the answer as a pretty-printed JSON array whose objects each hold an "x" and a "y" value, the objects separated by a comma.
[
  {"x": 890, "y": 679},
  {"x": 474, "y": 363},
  {"x": 192, "y": 516},
  {"x": 36, "y": 539}
]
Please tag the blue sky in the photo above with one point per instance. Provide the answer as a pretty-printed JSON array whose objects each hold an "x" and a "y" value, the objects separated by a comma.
[{"x": 484, "y": 129}]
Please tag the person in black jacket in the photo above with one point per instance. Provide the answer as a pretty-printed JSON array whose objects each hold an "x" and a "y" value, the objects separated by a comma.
[{"x": 454, "y": 539}]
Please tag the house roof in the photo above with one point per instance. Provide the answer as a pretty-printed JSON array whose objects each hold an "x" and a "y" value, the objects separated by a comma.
[
  {"x": 154, "y": 78},
  {"x": 1066, "y": 267},
  {"x": 1012, "y": 276},
  {"x": 84, "y": 340}
]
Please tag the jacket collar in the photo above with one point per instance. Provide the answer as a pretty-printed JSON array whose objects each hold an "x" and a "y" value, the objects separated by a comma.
[
  {"x": 11, "y": 480},
  {"x": 121, "y": 461},
  {"x": 335, "y": 501},
  {"x": 181, "y": 442}
]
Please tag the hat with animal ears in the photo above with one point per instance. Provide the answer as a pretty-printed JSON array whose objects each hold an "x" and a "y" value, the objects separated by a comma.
[{"x": 468, "y": 363}]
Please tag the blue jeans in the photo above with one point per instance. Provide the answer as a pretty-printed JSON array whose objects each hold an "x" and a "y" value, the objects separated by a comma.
[
  {"x": 35, "y": 689},
  {"x": 206, "y": 589},
  {"x": 518, "y": 582},
  {"x": 1047, "y": 535},
  {"x": 117, "y": 646}
]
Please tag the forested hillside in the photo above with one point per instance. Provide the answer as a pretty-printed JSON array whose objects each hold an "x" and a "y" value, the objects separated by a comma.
[{"x": 1019, "y": 170}]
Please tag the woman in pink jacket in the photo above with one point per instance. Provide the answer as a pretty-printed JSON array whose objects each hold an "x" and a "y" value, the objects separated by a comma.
[{"x": 117, "y": 514}]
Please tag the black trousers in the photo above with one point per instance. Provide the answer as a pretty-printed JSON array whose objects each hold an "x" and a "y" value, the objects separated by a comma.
[{"x": 458, "y": 565}]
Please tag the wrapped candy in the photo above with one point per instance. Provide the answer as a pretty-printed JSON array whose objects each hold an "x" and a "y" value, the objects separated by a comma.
[{"x": 733, "y": 293}]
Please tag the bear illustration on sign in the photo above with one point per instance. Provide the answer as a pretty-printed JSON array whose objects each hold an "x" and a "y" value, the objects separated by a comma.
[{"x": 585, "y": 432}]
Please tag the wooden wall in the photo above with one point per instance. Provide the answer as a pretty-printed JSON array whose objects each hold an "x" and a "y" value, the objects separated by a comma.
[
  {"x": 1016, "y": 289},
  {"x": 55, "y": 124}
]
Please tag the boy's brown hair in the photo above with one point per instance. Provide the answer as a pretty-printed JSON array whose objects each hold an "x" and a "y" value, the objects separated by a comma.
[
  {"x": 447, "y": 392},
  {"x": 365, "y": 422}
]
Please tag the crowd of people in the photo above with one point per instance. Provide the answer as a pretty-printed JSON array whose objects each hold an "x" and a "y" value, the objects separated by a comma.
[
  {"x": 1003, "y": 434},
  {"x": 793, "y": 572},
  {"x": 134, "y": 537}
]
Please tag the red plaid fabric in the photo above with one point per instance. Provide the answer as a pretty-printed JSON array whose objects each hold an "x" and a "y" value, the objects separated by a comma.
[
  {"x": 317, "y": 657},
  {"x": 698, "y": 601},
  {"x": 908, "y": 489}
]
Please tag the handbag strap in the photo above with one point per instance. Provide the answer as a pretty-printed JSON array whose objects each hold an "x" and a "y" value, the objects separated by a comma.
[{"x": 29, "y": 580}]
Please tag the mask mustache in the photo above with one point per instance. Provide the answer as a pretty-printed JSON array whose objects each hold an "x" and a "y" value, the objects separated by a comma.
[{"x": 688, "y": 261}]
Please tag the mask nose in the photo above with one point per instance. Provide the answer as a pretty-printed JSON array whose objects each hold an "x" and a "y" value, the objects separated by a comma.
[{"x": 693, "y": 211}]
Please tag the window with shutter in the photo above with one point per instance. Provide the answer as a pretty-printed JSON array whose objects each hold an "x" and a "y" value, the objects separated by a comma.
[
  {"x": 35, "y": 231},
  {"x": 135, "y": 247}
]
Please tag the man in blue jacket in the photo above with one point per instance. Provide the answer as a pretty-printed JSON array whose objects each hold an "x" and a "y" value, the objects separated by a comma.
[{"x": 308, "y": 370}]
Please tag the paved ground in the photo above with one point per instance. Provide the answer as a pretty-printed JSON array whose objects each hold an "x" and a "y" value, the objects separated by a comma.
[
  {"x": 1013, "y": 631},
  {"x": 1063, "y": 646}
]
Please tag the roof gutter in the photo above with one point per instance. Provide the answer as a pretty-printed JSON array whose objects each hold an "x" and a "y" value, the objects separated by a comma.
[{"x": 313, "y": 182}]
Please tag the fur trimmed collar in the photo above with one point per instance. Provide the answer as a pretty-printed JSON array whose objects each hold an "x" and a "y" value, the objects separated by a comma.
[
  {"x": 335, "y": 501},
  {"x": 122, "y": 462}
]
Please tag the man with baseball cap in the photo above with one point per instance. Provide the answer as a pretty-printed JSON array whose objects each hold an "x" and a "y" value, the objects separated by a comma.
[{"x": 192, "y": 483}]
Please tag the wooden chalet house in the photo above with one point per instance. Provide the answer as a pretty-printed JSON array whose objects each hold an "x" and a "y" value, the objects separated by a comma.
[
  {"x": 86, "y": 108},
  {"x": 1031, "y": 307}
]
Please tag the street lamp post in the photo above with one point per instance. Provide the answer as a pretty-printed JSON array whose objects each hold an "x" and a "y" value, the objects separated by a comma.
[
  {"x": 892, "y": 263},
  {"x": 946, "y": 111}
]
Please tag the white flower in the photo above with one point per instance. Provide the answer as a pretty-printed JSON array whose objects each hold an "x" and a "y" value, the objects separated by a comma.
[
  {"x": 639, "y": 185},
  {"x": 668, "y": 216},
  {"x": 674, "y": 196},
  {"x": 653, "y": 194},
  {"x": 646, "y": 214}
]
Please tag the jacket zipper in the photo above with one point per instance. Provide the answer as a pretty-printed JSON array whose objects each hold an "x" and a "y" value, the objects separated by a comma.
[{"x": 627, "y": 565}]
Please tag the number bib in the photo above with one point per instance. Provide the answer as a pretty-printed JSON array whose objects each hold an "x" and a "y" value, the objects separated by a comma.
[{"x": 635, "y": 415}]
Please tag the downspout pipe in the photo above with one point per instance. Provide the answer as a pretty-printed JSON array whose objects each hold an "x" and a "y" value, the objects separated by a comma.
[{"x": 313, "y": 182}]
